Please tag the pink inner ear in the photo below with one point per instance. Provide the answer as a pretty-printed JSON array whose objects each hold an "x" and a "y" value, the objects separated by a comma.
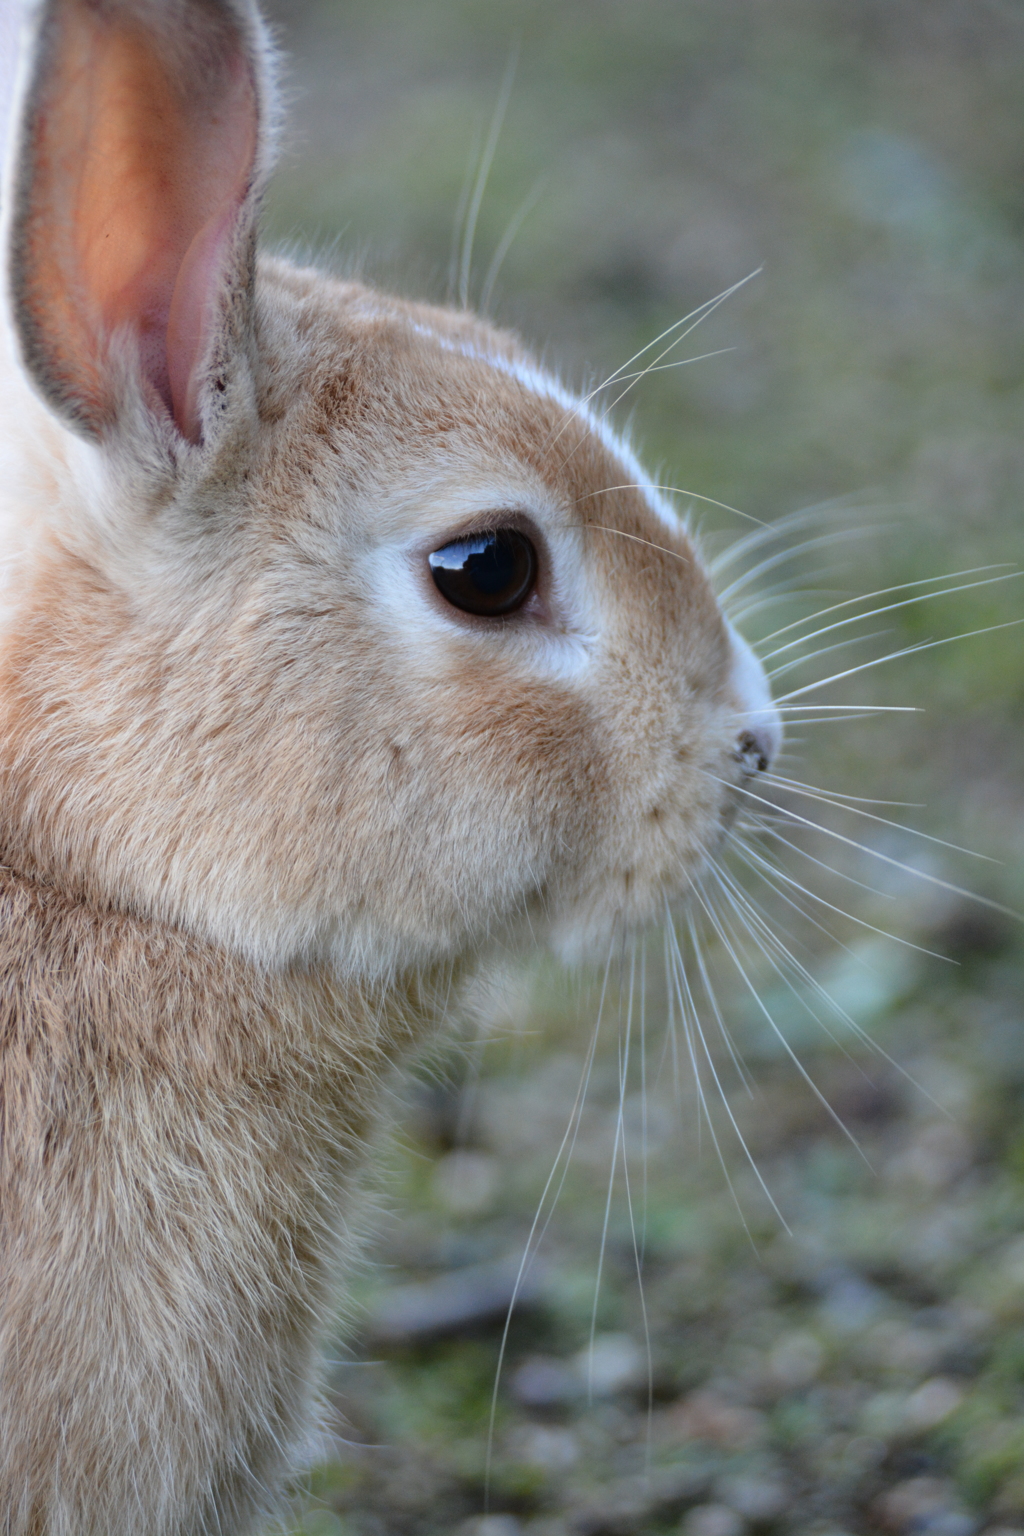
[
  {"x": 192, "y": 317},
  {"x": 141, "y": 153}
]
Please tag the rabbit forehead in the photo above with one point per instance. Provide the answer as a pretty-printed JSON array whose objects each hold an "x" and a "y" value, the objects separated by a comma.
[
  {"x": 449, "y": 388},
  {"x": 557, "y": 441}
]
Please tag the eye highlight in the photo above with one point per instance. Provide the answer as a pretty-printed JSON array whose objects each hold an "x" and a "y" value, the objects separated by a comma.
[{"x": 489, "y": 574}]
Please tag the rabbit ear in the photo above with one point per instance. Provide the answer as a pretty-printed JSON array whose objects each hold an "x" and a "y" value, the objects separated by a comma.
[{"x": 133, "y": 221}]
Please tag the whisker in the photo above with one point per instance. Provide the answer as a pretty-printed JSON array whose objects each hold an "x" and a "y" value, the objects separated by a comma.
[
  {"x": 861, "y": 922},
  {"x": 824, "y": 650},
  {"x": 876, "y": 709},
  {"x": 884, "y": 592},
  {"x": 784, "y": 527},
  {"x": 794, "y": 1058},
  {"x": 636, "y": 539},
  {"x": 774, "y": 950},
  {"x": 645, "y": 1161},
  {"x": 534, "y": 1238},
  {"x": 860, "y": 1033},
  {"x": 771, "y": 562},
  {"x": 920, "y": 874},
  {"x": 682, "y": 362},
  {"x": 458, "y": 226},
  {"x": 619, "y": 1135},
  {"x": 867, "y": 713},
  {"x": 827, "y": 798},
  {"x": 709, "y": 993},
  {"x": 727, "y": 294},
  {"x": 910, "y": 650},
  {"x": 890, "y": 608},
  {"x": 638, "y": 1247},
  {"x": 694, "y": 315},
  {"x": 504, "y": 245},
  {"x": 483, "y": 173},
  {"x": 685, "y": 997},
  {"x": 769, "y": 829},
  {"x": 676, "y": 490}
]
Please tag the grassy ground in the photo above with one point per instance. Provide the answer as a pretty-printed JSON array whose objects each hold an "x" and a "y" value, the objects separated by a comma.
[{"x": 851, "y": 1360}]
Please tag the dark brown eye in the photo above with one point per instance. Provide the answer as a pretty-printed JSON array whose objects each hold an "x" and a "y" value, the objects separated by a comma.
[{"x": 490, "y": 574}]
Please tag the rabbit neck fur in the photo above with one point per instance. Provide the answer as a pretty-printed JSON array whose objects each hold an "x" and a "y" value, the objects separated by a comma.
[{"x": 180, "y": 1139}]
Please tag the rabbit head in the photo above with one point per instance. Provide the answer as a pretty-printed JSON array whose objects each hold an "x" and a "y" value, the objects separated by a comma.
[{"x": 334, "y": 629}]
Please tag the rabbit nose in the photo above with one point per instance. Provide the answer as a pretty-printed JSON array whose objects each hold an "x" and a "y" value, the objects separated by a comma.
[
  {"x": 754, "y": 750},
  {"x": 759, "y": 734}
]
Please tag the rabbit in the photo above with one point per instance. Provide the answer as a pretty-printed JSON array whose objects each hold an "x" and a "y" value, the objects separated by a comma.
[{"x": 340, "y": 643}]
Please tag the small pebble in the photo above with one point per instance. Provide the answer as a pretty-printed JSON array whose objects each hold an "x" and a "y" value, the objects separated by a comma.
[
  {"x": 549, "y": 1448},
  {"x": 544, "y": 1382},
  {"x": 795, "y": 1360},
  {"x": 948, "y": 1522},
  {"x": 491, "y": 1525},
  {"x": 756, "y": 1498},
  {"x": 931, "y": 1403},
  {"x": 705, "y": 1415},
  {"x": 925, "y": 1506},
  {"x": 612, "y": 1364},
  {"x": 712, "y": 1520},
  {"x": 447, "y": 1302},
  {"x": 850, "y": 1304}
]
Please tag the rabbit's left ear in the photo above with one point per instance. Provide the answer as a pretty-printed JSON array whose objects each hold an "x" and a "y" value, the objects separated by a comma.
[{"x": 132, "y": 236}]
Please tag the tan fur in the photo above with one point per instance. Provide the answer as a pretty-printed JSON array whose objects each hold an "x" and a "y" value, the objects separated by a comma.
[
  {"x": 177, "y": 1136},
  {"x": 264, "y": 795}
]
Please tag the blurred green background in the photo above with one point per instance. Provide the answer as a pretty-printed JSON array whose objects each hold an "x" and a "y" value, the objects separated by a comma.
[{"x": 862, "y": 1371}]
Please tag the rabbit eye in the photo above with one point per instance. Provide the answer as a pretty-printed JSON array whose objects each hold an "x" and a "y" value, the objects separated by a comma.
[{"x": 489, "y": 574}]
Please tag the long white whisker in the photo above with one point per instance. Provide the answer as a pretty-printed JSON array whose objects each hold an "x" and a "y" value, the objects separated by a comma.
[
  {"x": 486, "y": 161},
  {"x": 635, "y": 538},
  {"x": 682, "y": 362},
  {"x": 534, "y": 1238},
  {"x": 876, "y": 709},
  {"x": 504, "y": 245},
  {"x": 694, "y": 315},
  {"x": 830, "y": 1002},
  {"x": 774, "y": 950},
  {"x": 763, "y": 866},
  {"x": 643, "y": 1097},
  {"x": 946, "y": 885},
  {"x": 691, "y": 1017},
  {"x": 676, "y": 490},
  {"x": 638, "y": 1246},
  {"x": 619, "y": 1134},
  {"x": 677, "y": 339},
  {"x": 910, "y": 650},
  {"x": 768, "y": 828},
  {"x": 867, "y": 713},
  {"x": 794, "y": 1058},
  {"x": 783, "y": 528},
  {"x": 828, "y": 797},
  {"x": 824, "y": 650},
  {"x": 904, "y": 602},
  {"x": 692, "y": 320},
  {"x": 771, "y": 562},
  {"x": 867, "y": 597},
  {"x": 709, "y": 993}
]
